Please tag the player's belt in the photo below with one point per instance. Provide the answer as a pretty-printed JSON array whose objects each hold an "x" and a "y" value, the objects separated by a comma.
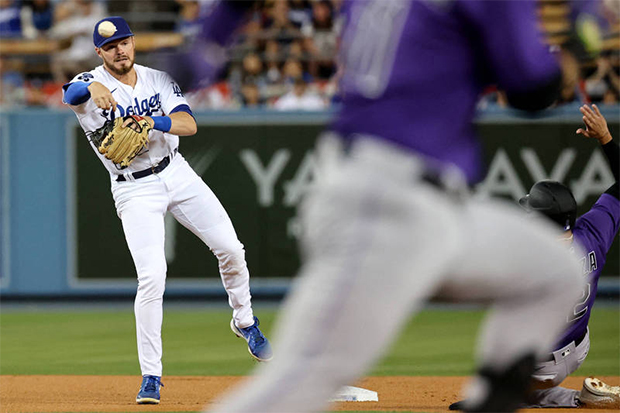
[
  {"x": 577, "y": 342},
  {"x": 150, "y": 171},
  {"x": 450, "y": 182}
]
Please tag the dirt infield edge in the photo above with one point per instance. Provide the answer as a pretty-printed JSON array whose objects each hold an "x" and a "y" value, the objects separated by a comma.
[{"x": 54, "y": 394}]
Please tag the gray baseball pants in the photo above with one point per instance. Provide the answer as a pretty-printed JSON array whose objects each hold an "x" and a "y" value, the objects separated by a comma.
[{"x": 552, "y": 373}]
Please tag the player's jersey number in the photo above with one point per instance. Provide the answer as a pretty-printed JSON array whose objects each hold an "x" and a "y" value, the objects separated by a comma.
[
  {"x": 372, "y": 44},
  {"x": 581, "y": 308}
]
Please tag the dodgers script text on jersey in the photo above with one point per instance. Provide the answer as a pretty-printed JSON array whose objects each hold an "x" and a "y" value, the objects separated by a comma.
[{"x": 154, "y": 94}]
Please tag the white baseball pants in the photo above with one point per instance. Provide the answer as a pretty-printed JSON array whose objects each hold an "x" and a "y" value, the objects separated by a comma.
[
  {"x": 141, "y": 205},
  {"x": 378, "y": 242}
]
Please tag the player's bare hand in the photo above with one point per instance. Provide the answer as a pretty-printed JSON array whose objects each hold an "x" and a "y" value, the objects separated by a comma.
[
  {"x": 596, "y": 125},
  {"x": 102, "y": 96},
  {"x": 130, "y": 123}
]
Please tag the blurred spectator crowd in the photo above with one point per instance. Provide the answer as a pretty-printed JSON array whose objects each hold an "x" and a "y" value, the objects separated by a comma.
[{"x": 284, "y": 58}]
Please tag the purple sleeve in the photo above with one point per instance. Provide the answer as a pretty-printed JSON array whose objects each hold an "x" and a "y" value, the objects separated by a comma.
[
  {"x": 202, "y": 60},
  {"x": 603, "y": 220},
  {"x": 512, "y": 43},
  {"x": 220, "y": 24}
]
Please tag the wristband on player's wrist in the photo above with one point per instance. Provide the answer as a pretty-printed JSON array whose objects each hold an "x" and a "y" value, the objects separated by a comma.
[{"x": 162, "y": 123}]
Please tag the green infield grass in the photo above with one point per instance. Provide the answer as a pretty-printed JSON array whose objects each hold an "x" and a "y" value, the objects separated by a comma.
[{"x": 199, "y": 342}]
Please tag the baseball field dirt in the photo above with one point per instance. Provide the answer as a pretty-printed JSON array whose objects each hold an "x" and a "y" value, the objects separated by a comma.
[{"x": 22, "y": 393}]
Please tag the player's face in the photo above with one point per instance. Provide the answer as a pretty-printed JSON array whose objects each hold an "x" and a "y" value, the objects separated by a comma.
[{"x": 118, "y": 56}]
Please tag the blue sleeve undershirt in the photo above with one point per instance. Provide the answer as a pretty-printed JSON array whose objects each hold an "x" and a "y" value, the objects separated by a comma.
[
  {"x": 183, "y": 108},
  {"x": 76, "y": 93}
]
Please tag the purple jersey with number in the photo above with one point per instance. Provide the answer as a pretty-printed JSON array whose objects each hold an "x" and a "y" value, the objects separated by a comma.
[
  {"x": 594, "y": 232},
  {"x": 413, "y": 70}
]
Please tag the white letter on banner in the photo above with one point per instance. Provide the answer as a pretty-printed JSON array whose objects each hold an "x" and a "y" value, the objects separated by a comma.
[
  {"x": 594, "y": 180},
  {"x": 501, "y": 179},
  {"x": 559, "y": 171},
  {"x": 265, "y": 178},
  {"x": 298, "y": 186}
]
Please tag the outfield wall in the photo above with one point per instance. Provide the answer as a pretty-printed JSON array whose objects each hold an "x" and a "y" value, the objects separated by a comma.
[{"x": 61, "y": 237}]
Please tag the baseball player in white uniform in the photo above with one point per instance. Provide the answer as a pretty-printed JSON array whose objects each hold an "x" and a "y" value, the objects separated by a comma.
[{"x": 159, "y": 180}]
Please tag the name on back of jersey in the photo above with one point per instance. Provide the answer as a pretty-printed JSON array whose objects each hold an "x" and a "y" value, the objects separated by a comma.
[{"x": 588, "y": 263}]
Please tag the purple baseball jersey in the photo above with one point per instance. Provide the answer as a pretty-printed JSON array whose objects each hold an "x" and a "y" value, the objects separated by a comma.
[
  {"x": 594, "y": 232},
  {"x": 414, "y": 70}
]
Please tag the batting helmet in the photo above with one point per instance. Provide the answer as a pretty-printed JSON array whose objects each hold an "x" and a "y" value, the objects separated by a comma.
[{"x": 554, "y": 200}]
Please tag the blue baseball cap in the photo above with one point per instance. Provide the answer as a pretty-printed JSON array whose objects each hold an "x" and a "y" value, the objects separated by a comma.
[{"x": 110, "y": 29}]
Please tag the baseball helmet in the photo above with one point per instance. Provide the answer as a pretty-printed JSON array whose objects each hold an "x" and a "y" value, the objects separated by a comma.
[{"x": 554, "y": 200}]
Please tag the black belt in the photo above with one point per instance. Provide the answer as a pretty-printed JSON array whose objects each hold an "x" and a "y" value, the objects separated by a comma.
[
  {"x": 150, "y": 171},
  {"x": 428, "y": 175},
  {"x": 577, "y": 341}
]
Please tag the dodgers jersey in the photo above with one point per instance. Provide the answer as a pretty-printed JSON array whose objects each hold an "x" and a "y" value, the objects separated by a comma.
[
  {"x": 594, "y": 231},
  {"x": 155, "y": 94},
  {"x": 414, "y": 70}
]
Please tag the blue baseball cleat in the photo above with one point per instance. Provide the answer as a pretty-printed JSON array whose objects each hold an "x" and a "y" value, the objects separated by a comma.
[
  {"x": 149, "y": 390},
  {"x": 258, "y": 345}
]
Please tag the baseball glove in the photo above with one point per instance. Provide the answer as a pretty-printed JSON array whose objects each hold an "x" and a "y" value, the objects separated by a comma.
[{"x": 121, "y": 144}]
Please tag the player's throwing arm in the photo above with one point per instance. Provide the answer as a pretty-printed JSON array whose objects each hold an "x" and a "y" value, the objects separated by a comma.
[{"x": 102, "y": 96}]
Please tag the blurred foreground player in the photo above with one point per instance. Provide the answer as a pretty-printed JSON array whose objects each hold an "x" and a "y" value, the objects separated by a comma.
[
  {"x": 389, "y": 223},
  {"x": 593, "y": 232}
]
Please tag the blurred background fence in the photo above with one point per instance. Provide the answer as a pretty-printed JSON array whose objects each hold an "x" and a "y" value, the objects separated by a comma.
[
  {"x": 257, "y": 124},
  {"x": 61, "y": 236}
]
